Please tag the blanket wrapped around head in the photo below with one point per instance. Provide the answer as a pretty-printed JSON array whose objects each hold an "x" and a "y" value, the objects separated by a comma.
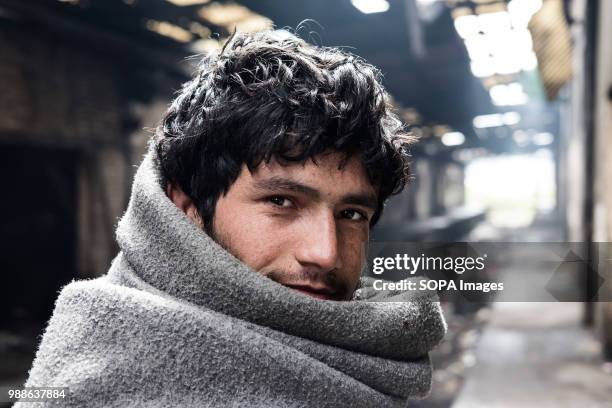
[{"x": 178, "y": 321}]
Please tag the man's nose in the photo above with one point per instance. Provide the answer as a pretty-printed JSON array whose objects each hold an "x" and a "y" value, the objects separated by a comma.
[{"x": 319, "y": 244}]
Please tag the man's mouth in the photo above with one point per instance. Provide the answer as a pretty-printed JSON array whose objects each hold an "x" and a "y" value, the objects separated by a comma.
[{"x": 323, "y": 292}]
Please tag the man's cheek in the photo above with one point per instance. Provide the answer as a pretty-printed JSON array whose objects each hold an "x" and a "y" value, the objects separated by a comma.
[
  {"x": 354, "y": 258},
  {"x": 264, "y": 247}
]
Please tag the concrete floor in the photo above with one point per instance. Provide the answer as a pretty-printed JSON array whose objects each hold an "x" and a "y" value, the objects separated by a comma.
[
  {"x": 534, "y": 354},
  {"x": 537, "y": 355}
]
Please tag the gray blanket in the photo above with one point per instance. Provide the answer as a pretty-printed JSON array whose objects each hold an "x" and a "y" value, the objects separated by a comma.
[{"x": 178, "y": 321}]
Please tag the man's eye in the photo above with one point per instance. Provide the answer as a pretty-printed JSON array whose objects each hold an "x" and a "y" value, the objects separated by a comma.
[
  {"x": 280, "y": 201},
  {"x": 354, "y": 215}
]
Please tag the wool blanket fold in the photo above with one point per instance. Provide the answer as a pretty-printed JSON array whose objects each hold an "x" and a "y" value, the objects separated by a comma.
[{"x": 178, "y": 321}]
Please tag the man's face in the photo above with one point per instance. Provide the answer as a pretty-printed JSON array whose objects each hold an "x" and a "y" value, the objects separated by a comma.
[{"x": 305, "y": 225}]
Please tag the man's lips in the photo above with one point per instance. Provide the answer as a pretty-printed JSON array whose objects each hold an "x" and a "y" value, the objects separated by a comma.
[{"x": 322, "y": 292}]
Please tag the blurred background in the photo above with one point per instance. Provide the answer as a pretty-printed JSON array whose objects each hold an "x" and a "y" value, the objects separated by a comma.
[{"x": 512, "y": 101}]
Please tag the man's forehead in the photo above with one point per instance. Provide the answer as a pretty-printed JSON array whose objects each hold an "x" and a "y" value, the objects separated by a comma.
[{"x": 331, "y": 170}]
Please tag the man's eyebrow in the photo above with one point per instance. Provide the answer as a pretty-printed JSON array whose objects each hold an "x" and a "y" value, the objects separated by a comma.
[
  {"x": 365, "y": 200},
  {"x": 279, "y": 183}
]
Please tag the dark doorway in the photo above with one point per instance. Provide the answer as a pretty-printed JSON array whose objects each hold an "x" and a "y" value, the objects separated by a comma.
[
  {"x": 38, "y": 224},
  {"x": 38, "y": 214}
]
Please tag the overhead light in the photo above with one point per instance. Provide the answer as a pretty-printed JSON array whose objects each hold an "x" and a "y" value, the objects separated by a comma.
[
  {"x": 234, "y": 17},
  {"x": 183, "y": 3},
  {"x": 200, "y": 30},
  {"x": 491, "y": 23},
  {"x": 521, "y": 138},
  {"x": 543, "y": 139},
  {"x": 521, "y": 11},
  {"x": 371, "y": 6},
  {"x": 508, "y": 95},
  {"x": 487, "y": 121},
  {"x": 206, "y": 45},
  {"x": 467, "y": 26},
  {"x": 426, "y": 3},
  {"x": 478, "y": 47},
  {"x": 482, "y": 69},
  {"x": 496, "y": 119},
  {"x": 169, "y": 30},
  {"x": 511, "y": 118},
  {"x": 453, "y": 139},
  {"x": 495, "y": 44}
]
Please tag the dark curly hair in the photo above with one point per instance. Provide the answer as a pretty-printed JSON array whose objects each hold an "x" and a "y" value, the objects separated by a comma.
[{"x": 266, "y": 95}]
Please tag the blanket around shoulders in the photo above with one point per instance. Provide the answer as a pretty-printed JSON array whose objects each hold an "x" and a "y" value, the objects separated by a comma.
[{"x": 178, "y": 321}]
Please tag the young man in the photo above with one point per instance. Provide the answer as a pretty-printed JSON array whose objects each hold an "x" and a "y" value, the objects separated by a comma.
[{"x": 238, "y": 281}]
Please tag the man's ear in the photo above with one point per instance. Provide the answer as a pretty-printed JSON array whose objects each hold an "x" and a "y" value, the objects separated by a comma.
[{"x": 184, "y": 203}]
